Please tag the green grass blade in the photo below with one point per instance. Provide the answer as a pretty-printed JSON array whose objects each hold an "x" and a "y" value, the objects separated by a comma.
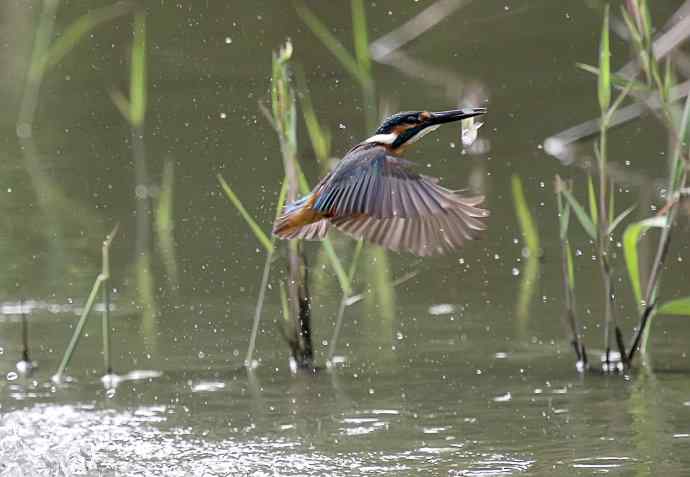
[
  {"x": 260, "y": 234},
  {"x": 612, "y": 202},
  {"x": 281, "y": 198},
  {"x": 563, "y": 209},
  {"x": 527, "y": 226},
  {"x": 681, "y": 141},
  {"x": 565, "y": 221},
  {"x": 122, "y": 104},
  {"x": 630, "y": 239},
  {"x": 530, "y": 273},
  {"x": 604, "y": 85},
  {"x": 647, "y": 28},
  {"x": 331, "y": 43},
  {"x": 320, "y": 138},
  {"x": 588, "y": 68},
  {"x": 355, "y": 260},
  {"x": 137, "y": 82},
  {"x": 616, "y": 79},
  {"x": 571, "y": 266},
  {"x": 616, "y": 222},
  {"x": 165, "y": 223},
  {"x": 284, "y": 304},
  {"x": 340, "y": 273},
  {"x": 632, "y": 27},
  {"x": 581, "y": 215},
  {"x": 80, "y": 28},
  {"x": 679, "y": 307},
  {"x": 669, "y": 79},
  {"x": 361, "y": 37},
  {"x": 591, "y": 196}
]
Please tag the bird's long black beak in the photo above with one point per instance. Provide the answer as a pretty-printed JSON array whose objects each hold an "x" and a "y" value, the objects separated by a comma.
[{"x": 455, "y": 115}]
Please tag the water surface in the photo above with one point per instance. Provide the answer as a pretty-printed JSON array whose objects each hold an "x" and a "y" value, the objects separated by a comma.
[{"x": 452, "y": 382}]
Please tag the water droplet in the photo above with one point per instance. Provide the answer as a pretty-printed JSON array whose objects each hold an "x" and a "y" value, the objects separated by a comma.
[
  {"x": 12, "y": 376},
  {"x": 441, "y": 309},
  {"x": 515, "y": 272},
  {"x": 505, "y": 398},
  {"x": 228, "y": 40}
]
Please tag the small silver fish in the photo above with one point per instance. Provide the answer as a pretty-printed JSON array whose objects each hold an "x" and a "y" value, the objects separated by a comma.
[{"x": 469, "y": 131}]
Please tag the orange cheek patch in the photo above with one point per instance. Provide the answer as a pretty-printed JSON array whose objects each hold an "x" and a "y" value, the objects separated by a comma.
[{"x": 400, "y": 129}]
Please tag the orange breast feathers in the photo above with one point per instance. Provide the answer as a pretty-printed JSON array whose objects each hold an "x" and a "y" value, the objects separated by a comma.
[{"x": 294, "y": 219}]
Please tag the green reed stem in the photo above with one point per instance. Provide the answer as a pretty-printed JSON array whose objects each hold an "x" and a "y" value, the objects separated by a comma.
[
  {"x": 101, "y": 280},
  {"x": 347, "y": 291},
  {"x": 249, "y": 359},
  {"x": 25, "y": 334},
  {"x": 78, "y": 330}
]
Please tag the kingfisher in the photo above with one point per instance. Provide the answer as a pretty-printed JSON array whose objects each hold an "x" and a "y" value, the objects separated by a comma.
[{"x": 372, "y": 193}]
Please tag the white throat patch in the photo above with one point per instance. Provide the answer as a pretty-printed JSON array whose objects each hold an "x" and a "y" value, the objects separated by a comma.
[
  {"x": 383, "y": 138},
  {"x": 391, "y": 137}
]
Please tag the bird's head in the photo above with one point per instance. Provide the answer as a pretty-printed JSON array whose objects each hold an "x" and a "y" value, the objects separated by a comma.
[{"x": 402, "y": 129}]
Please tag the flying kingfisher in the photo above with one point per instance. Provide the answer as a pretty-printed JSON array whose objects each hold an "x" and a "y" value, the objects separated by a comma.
[{"x": 373, "y": 193}]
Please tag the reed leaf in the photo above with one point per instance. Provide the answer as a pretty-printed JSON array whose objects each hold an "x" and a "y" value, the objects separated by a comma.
[
  {"x": 258, "y": 233},
  {"x": 571, "y": 266},
  {"x": 83, "y": 25},
  {"x": 525, "y": 220},
  {"x": 679, "y": 307},
  {"x": 618, "y": 80},
  {"x": 611, "y": 207},
  {"x": 165, "y": 224},
  {"x": 343, "y": 278},
  {"x": 137, "y": 82},
  {"x": 122, "y": 104},
  {"x": 591, "y": 195},
  {"x": 564, "y": 221},
  {"x": 630, "y": 239},
  {"x": 581, "y": 215},
  {"x": 320, "y": 30},
  {"x": 563, "y": 208},
  {"x": 319, "y": 137},
  {"x": 616, "y": 222},
  {"x": 284, "y": 304},
  {"x": 361, "y": 37}
]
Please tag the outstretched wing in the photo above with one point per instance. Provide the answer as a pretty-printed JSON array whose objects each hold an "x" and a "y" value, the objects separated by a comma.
[
  {"x": 380, "y": 198},
  {"x": 422, "y": 236},
  {"x": 369, "y": 181}
]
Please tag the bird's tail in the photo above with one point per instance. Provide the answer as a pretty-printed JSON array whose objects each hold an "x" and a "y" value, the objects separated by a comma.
[{"x": 299, "y": 221}]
